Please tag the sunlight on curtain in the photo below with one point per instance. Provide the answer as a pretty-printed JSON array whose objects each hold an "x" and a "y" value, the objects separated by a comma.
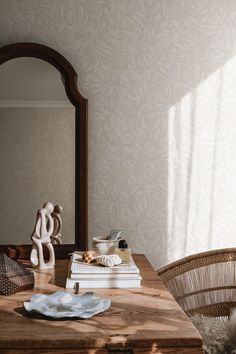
[{"x": 202, "y": 167}]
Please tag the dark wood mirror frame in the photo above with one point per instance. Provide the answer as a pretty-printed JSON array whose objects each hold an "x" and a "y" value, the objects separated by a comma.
[{"x": 69, "y": 76}]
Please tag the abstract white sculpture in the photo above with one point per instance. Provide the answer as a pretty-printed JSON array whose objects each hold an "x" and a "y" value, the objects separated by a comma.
[
  {"x": 41, "y": 235},
  {"x": 56, "y": 234}
]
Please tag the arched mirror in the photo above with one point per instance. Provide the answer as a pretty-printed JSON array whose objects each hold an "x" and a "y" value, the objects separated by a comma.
[{"x": 43, "y": 146}]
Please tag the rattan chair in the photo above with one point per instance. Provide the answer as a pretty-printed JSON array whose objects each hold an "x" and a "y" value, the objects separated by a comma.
[{"x": 204, "y": 283}]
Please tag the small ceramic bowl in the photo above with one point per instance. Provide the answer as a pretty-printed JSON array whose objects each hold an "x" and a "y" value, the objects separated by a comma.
[
  {"x": 62, "y": 304},
  {"x": 104, "y": 246}
]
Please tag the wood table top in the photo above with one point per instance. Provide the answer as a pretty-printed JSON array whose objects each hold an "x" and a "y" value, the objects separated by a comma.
[{"x": 146, "y": 317}]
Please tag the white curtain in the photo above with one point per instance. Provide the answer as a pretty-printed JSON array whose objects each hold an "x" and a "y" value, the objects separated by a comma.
[{"x": 202, "y": 167}]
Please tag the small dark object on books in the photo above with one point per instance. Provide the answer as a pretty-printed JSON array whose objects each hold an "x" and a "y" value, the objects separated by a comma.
[
  {"x": 14, "y": 277},
  {"x": 122, "y": 244},
  {"x": 77, "y": 288}
]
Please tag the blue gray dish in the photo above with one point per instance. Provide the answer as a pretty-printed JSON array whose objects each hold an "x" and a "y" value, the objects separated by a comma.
[{"x": 64, "y": 304}]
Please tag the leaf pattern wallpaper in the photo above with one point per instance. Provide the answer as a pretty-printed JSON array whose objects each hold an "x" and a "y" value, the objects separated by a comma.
[{"x": 160, "y": 79}]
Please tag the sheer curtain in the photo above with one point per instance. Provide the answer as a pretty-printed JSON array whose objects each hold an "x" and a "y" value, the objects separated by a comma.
[{"x": 202, "y": 167}]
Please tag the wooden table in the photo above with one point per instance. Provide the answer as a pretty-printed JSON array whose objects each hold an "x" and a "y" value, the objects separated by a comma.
[{"x": 144, "y": 320}]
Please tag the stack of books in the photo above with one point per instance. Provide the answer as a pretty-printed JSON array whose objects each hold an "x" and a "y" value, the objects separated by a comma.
[{"x": 93, "y": 275}]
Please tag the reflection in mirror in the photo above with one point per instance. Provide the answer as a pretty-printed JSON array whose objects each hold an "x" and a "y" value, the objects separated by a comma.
[{"x": 37, "y": 148}]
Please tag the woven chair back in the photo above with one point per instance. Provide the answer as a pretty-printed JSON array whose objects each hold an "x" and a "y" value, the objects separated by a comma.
[{"x": 204, "y": 283}]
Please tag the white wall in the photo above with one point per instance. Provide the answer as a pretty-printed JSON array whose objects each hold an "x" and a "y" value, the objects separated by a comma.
[{"x": 136, "y": 61}]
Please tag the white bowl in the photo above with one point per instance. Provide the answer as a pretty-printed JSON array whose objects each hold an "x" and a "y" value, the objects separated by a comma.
[
  {"x": 64, "y": 304},
  {"x": 104, "y": 246}
]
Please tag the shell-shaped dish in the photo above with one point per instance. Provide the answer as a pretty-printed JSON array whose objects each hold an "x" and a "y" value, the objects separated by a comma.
[
  {"x": 64, "y": 304},
  {"x": 109, "y": 260}
]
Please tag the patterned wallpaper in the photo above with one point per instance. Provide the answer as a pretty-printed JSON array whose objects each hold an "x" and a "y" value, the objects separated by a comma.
[{"x": 144, "y": 66}]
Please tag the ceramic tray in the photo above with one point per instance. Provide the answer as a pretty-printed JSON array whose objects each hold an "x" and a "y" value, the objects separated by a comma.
[{"x": 64, "y": 304}]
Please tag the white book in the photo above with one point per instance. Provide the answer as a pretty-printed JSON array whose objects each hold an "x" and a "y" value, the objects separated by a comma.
[
  {"x": 112, "y": 282},
  {"x": 103, "y": 276},
  {"x": 77, "y": 266}
]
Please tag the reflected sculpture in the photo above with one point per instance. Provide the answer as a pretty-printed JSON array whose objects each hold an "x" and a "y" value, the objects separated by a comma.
[{"x": 56, "y": 234}]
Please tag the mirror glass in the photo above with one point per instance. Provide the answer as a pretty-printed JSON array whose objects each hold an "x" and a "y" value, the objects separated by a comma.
[{"x": 37, "y": 148}]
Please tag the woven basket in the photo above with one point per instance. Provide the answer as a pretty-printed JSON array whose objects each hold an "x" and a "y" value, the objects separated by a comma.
[
  {"x": 13, "y": 276},
  {"x": 204, "y": 283}
]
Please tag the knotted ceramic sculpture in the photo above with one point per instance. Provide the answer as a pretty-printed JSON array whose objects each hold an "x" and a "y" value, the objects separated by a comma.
[{"x": 41, "y": 235}]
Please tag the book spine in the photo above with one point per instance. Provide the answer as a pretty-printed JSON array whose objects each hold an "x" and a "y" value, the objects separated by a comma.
[
  {"x": 103, "y": 276},
  {"x": 103, "y": 270}
]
